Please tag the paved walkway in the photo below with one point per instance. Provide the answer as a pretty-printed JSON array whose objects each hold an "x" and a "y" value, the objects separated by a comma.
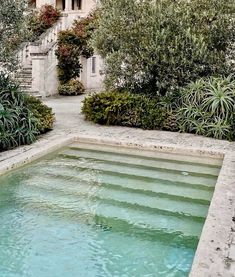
[{"x": 69, "y": 120}]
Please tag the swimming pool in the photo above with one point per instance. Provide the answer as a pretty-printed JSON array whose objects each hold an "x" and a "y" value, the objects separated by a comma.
[{"x": 96, "y": 210}]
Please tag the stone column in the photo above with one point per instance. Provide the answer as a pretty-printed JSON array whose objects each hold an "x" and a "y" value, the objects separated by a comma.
[{"x": 68, "y": 5}]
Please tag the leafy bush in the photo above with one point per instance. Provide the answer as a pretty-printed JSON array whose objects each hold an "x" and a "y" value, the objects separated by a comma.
[
  {"x": 17, "y": 123},
  {"x": 43, "y": 114},
  {"x": 73, "y": 87},
  {"x": 167, "y": 43},
  {"x": 13, "y": 31},
  {"x": 69, "y": 65},
  {"x": 125, "y": 109},
  {"x": 72, "y": 44},
  {"x": 43, "y": 19},
  {"x": 207, "y": 107}
]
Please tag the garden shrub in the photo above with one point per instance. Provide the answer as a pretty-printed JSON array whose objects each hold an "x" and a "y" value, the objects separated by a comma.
[
  {"x": 125, "y": 109},
  {"x": 43, "y": 114},
  {"x": 72, "y": 87},
  {"x": 167, "y": 43},
  {"x": 41, "y": 20},
  {"x": 69, "y": 65},
  {"x": 207, "y": 107},
  {"x": 13, "y": 31}
]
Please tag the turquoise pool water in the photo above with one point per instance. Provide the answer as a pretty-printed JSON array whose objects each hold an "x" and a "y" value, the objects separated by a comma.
[{"x": 93, "y": 210}]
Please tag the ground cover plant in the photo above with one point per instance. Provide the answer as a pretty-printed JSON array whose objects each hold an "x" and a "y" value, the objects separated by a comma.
[{"x": 22, "y": 118}]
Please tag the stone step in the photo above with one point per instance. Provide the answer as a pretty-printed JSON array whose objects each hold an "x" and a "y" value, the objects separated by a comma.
[
  {"x": 26, "y": 72},
  {"x": 122, "y": 169},
  {"x": 35, "y": 94},
  {"x": 145, "y": 185},
  {"x": 132, "y": 159},
  {"x": 160, "y": 204},
  {"x": 24, "y": 82},
  {"x": 133, "y": 215},
  {"x": 24, "y": 86}
]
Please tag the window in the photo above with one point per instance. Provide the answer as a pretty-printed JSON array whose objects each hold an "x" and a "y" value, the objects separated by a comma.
[
  {"x": 76, "y": 4},
  {"x": 79, "y": 4},
  {"x": 60, "y": 4},
  {"x": 93, "y": 65}
]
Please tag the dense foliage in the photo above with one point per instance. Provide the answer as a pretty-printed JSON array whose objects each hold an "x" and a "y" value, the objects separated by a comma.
[
  {"x": 41, "y": 20},
  {"x": 126, "y": 109},
  {"x": 207, "y": 107},
  {"x": 158, "y": 46},
  {"x": 21, "y": 118},
  {"x": 17, "y": 123},
  {"x": 72, "y": 87},
  {"x": 12, "y": 29},
  {"x": 72, "y": 44},
  {"x": 43, "y": 114}
]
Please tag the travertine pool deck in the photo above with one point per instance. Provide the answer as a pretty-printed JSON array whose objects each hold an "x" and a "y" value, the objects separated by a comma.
[{"x": 215, "y": 255}]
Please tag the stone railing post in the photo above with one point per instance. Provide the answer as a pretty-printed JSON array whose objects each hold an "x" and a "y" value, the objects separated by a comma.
[{"x": 39, "y": 62}]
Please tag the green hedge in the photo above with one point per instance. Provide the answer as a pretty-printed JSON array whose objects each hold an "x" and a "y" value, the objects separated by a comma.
[{"x": 125, "y": 109}]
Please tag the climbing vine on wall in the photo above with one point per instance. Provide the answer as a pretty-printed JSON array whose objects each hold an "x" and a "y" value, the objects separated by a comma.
[
  {"x": 72, "y": 44},
  {"x": 42, "y": 19}
]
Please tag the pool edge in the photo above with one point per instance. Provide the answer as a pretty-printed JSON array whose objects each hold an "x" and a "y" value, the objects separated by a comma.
[{"x": 212, "y": 257}]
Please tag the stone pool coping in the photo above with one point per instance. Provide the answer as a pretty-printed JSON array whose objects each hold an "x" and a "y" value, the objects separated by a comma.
[{"x": 215, "y": 252}]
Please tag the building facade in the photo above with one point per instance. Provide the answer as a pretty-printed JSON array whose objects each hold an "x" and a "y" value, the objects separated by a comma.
[{"x": 38, "y": 58}]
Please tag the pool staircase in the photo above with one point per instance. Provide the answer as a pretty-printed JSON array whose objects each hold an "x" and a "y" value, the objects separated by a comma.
[{"x": 160, "y": 193}]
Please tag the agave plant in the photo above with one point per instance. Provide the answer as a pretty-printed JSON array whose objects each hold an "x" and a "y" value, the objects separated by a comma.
[
  {"x": 17, "y": 124},
  {"x": 219, "y": 97},
  {"x": 207, "y": 107}
]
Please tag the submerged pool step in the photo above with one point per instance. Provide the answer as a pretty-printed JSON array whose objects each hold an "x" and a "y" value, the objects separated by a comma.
[
  {"x": 143, "y": 153},
  {"x": 34, "y": 197},
  {"x": 135, "y": 171},
  {"x": 141, "y": 161},
  {"x": 144, "y": 202},
  {"x": 145, "y": 185}
]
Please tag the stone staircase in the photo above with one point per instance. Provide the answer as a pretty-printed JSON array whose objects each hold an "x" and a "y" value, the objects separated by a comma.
[
  {"x": 24, "y": 77},
  {"x": 38, "y": 62}
]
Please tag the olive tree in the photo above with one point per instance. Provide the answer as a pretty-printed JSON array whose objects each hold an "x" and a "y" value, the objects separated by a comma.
[
  {"x": 12, "y": 29},
  {"x": 157, "y": 46}
]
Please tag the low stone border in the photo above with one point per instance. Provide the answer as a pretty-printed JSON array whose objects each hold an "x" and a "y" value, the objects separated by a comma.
[{"x": 215, "y": 255}]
